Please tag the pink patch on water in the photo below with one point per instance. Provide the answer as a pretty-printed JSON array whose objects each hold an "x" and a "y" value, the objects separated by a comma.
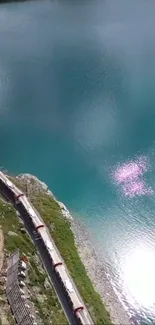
[
  {"x": 129, "y": 175},
  {"x": 136, "y": 188},
  {"x": 131, "y": 170}
]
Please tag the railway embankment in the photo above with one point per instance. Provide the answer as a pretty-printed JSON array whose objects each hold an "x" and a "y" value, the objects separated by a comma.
[
  {"x": 75, "y": 247},
  {"x": 60, "y": 222}
]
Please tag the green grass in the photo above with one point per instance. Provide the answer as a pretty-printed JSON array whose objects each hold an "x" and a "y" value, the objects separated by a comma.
[
  {"x": 11, "y": 319},
  {"x": 60, "y": 230}
]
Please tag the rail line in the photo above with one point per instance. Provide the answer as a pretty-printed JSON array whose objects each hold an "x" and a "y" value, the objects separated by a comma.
[{"x": 68, "y": 295}]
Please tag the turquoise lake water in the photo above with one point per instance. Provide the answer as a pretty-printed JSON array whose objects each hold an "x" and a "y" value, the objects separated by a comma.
[{"x": 77, "y": 109}]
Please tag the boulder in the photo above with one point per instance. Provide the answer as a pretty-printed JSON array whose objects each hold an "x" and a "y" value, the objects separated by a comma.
[
  {"x": 11, "y": 233},
  {"x": 47, "y": 284}
]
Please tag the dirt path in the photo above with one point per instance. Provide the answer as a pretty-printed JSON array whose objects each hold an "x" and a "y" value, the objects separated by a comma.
[
  {"x": 1, "y": 248},
  {"x": 3, "y": 311}
]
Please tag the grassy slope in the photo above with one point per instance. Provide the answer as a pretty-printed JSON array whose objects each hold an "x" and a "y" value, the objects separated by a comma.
[{"x": 61, "y": 233}]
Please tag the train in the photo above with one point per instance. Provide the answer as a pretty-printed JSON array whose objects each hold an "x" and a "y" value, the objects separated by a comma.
[{"x": 67, "y": 285}]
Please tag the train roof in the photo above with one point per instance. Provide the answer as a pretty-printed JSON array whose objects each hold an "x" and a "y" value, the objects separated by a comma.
[
  {"x": 49, "y": 245},
  {"x": 9, "y": 183},
  {"x": 69, "y": 285}
]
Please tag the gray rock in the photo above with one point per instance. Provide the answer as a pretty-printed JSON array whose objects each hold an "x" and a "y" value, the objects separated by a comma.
[
  {"x": 21, "y": 221},
  {"x": 64, "y": 211},
  {"x": 2, "y": 300},
  {"x": 23, "y": 230},
  {"x": 38, "y": 263},
  {"x": 47, "y": 284},
  {"x": 35, "y": 184},
  {"x": 11, "y": 233}
]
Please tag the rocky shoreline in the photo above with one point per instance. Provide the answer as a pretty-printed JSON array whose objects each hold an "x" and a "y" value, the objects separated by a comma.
[
  {"x": 98, "y": 274},
  {"x": 94, "y": 266}
]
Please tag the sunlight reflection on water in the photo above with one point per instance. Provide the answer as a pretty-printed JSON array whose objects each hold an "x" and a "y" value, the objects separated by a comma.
[{"x": 138, "y": 276}]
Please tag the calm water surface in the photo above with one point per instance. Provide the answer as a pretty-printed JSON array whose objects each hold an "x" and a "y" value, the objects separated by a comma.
[{"x": 77, "y": 108}]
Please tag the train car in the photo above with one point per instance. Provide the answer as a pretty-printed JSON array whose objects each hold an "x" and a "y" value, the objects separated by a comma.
[
  {"x": 62, "y": 275},
  {"x": 27, "y": 206},
  {"x": 40, "y": 227},
  {"x": 49, "y": 246},
  {"x": 32, "y": 213},
  {"x": 19, "y": 196},
  {"x": 7, "y": 188},
  {"x": 69, "y": 290},
  {"x": 82, "y": 317},
  {"x": 5, "y": 180},
  {"x": 10, "y": 186},
  {"x": 38, "y": 224},
  {"x": 56, "y": 259},
  {"x": 50, "y": 250}
]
